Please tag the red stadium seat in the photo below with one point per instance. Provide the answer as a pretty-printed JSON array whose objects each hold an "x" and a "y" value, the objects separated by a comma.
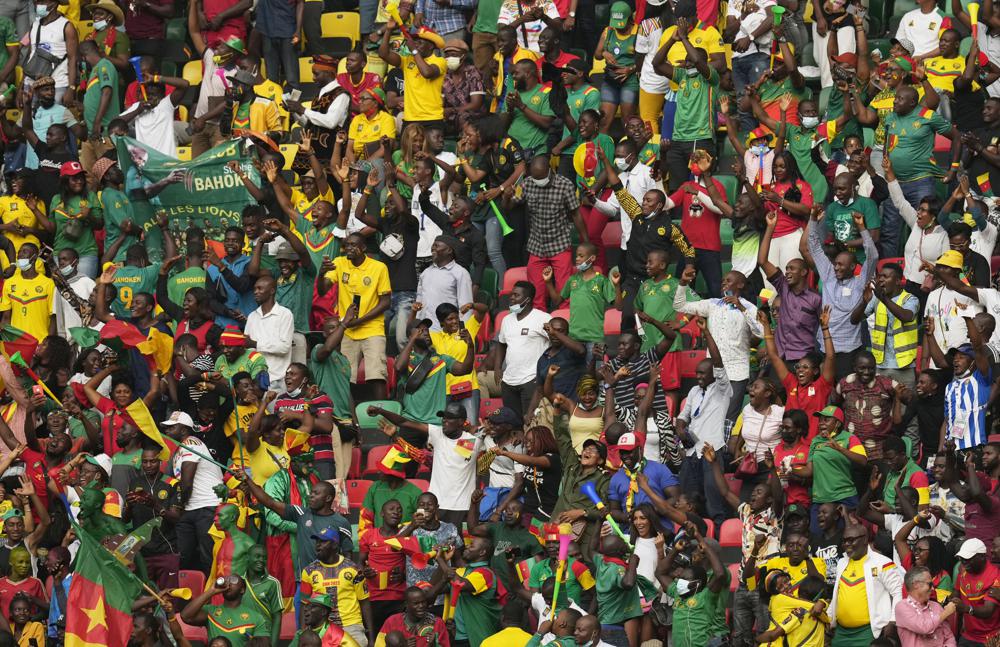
[
  {"x": 612, "y": 234},
  {"x": 994, "y": 264},
  {"x": 512, "y": 276},
  {"x": 561, "y": 312},
  {"x": 731, "y": 533},
  {"x": 375, "y": 456},
  {"x": 734, "y": 484},
  {"x": 709, "y": 528},
  {"x": 194, "y": 580},
  {"x": 613, "y": 322},
  {"x": 356, "y": 491},
  {"x": 942, "y": 144},
  {"x": 422, "y": 484},
  {"x": 690, "y": 360},
  {"x": 734, "y": 577},
  {"x": 488, "y": 406},
  {"x": 499, "y": 320},
  {"x": 288, "y": 626},
  {"x": 898, "y": 260}
]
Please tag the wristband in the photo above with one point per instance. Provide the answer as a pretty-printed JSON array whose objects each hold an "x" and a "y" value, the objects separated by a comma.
[{"x": 955, "y": 165}]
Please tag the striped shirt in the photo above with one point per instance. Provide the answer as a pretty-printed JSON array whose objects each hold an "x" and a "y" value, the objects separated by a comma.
[
  {"x": 345, "y": 585},
  {"x": 965, "y": 400},
  {"x": 320, "y": 443}
]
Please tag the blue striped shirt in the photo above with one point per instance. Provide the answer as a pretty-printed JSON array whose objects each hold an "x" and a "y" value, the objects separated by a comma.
[{"x": 965, "y": 402}]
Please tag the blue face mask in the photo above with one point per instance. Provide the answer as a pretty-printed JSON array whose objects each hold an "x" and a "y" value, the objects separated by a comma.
[
  {"x": 42, "y": 10},
  {"x": 100, "y": 24},
  {"x": 584, "y": 266}
]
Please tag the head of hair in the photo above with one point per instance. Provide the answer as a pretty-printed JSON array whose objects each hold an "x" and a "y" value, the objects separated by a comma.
[
  {"x": 445, "y": 310},
  {"x": 528, "y": 287},
  {"x": 545, "y": 442},
  {"x": 895, "y": 268},
  {"x": 959, "y": 229},
  {"x": 893, "y": 443}
]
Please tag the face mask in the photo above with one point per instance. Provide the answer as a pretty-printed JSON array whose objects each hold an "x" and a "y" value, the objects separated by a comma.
[
  {"x": 67, "y": 270},
  {"x": 584, "y": 266},
  {"x": 542, "y": 182},
  {"x": 692, "y": 71},
  {"x": 685, "y": 587},
  {"x": 810, "y": 122},
  {"x": 760, "y": 150},
  {"x": 295, "y": 392},
  {"x": 100, "y": 24},
  {"x": 453, "y": 63},
  {"x": 42, "y": 10},
  {"x": 621, "y": 163},
  {"x": 24, "y": 263},
  {"x": 516, "y": 308},
  {"x": 848, "y": 202}
]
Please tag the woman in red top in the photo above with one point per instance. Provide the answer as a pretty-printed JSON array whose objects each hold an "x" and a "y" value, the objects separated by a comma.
[
  {"x": 792, "y": 198},
  {"x": 809, "y": 387},
  {"x": 929, "y": 552},
  {"x": 114, "y": 408},
  {"x": 793, "y": 451},
  {"x": 384, "y": 566},
  {"x": 356, "y": 80}
]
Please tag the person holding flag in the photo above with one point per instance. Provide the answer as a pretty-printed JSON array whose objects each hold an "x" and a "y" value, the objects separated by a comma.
[{"x": 383, "y": 564}]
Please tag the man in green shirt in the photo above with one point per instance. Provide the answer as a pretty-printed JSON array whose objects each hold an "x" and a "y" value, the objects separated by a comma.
[
  {"x": 589, "y": 293},
  {"x": 696, "y": 595},
  {"x": 563, "y": 628},
  {"x": 137, "y": 275},
  {"x": 477, "y": 615},
  {"x": 234, "y": 619},
  {"x": 264, "y": 590},
  {"x": 392, "y": 486},
  {"x": 832, "y": 455},
  {"x": 237, "y": 358},
  {"x": 193, "y": 275},
  {"x": 840, "y": 215},
  {"x": 697, "y": 86},
  {"x": 101, "y": 102},
  {"x": 511, "y": 540},
  {"x": 425, "y": 372},
  {"x": 121, "y": 230},
  {"x": 618, "y": 600},
  {"x": 655, "y": 297},
  {"x": 528, "y": 114},
  {"x": 296, "y": 276},
  {"x": 315, "y": 616},
  {"x": 11, "y": 48},
  {"x": 332, "y": 372}
]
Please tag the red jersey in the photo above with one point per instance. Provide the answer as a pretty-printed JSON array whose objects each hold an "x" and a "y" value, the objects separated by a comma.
[
  {"x": 699, "y": 223},
  {"x": 784, "y": 460},
  {"x": 383, "y": 559},
  {"x": 810, "y": 399},
  {"x": 561, "y": 61},
  {"x": 30, "y": 585},
  {"x": 974, "y": 590}
]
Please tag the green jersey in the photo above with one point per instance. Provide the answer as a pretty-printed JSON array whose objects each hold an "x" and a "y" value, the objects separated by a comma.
[
  {"x": 801, "y": 141},
  {"x": 129, "y": 281},
  {"x": 250, "y": 361},
  {"x": 622, "y": 47},
  {"x": 296, "y": 294},
  {"x": 656, "y": 298},
  {"x": 333, "y": 377},
  {"x": 694, "y": 616},
  {"x": 477, "y": 615},
  {"x": 523, "y": 131},
  {"x": 266, "y": 596},
  {"x": 103, "y": 76},
  {"x": 431, "y": 396},
  {"x": 615, "y": 604},
  {"x": 504, "y": 537},
  {"x": 71, "y": 231},
  {"x": 320, "y": 243},
  {"x": 695, "y": 117},
  {"x": 910, "y": 142},
  {"x": 180, "y": 283},
  {"x": 117, "y": 210},
  {"x": 841, "y": 224},
  {"x": 8, "y": 32},
  {"x": 832, "y": 479},
  {"x": 380, "y": 492},
  {"x": 487, "y": 16},
  {"x": 578, "y": 579},
  {"x": 586, "y": 98},
  {"x": 588, "y": 299},
  {"x": 238, "y": 624}
]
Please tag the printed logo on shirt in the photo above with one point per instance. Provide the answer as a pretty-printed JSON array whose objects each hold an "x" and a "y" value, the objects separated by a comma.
[{"x": 524, "y": 331}]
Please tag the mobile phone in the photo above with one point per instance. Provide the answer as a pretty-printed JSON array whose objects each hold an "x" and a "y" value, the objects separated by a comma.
[
  {"x": 357, "y": 301},
  {"x": 37, "y": 391},
  {"x": 461, "y": 325}
]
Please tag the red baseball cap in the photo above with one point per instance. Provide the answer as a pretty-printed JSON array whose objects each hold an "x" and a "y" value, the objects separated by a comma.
[{"x": 70, "y": 168}]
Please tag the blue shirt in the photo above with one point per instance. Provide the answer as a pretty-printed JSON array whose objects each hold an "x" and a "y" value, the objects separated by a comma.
[
  {"x": 660, "y": 478},
  {"x": 965, "y": 401},
  {"x": 240, "y": 301},
  {"x": 54, "y": 611}
]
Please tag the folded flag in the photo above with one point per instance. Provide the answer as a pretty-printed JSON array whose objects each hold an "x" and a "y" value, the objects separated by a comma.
[
  {"x": 420, "y": 549},
  {"x": 143, "y": 420},
  {"x": 14, "y": 340}
]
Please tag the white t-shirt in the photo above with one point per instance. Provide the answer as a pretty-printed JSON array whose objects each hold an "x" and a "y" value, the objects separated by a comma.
[
  {"x": 984, "y": 241},
  {"x": 949, "y": 310},
  {"x": 66, "y": 316},
  {"x": 647, "y": 42},
  {"x": 206, "y": 476},
  {"x": 921, "y": 29},
  {"x": 155, "y": 128},
  {"x": 502, "y": 468},
  {"x": 990, "y": 45},
  {"x": 989, "y": 299},
  {"x": 428, "y": 228},
  {"x": 526, "y": 340},
  {"x": 453, "y": 475}
]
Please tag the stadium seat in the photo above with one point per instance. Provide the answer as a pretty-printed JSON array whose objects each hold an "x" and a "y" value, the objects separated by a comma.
[
  {"x": 490, "y": 284},
  {"x": 305, "y": 69},
  {"x": 734, "y": 577},
  {"x": 512, "y": 276},
  {"x": 731, "y": 185},
  {"x": 709, "y": 528},
  {"x": 561, "y": 312},
  {"x": 613, "y": 322},
  {"x": 726, "y": 233},
  {"x": 898, "y": 260},
  {"x": 375, "y": 456},
  {"x": 422, "y": 484},
  {"x": 487, "y": 406},
  {"x": 355, "y": 471},
  {"x": 192, "y": 72},
  {"x": 288, "y": 151},
  {"x": 184, "y": 153},
  {"x": 356, "y": 491},
  {"x": 689, "y": 360},
  {"x": 500, "y": 317},
  {"x": 288, "y": 626},
  {"x": 994, "y": 264},
  {"x": 177, "y": 29},
  {"x": 341, "y": 24},
  {"x": 371, "y": 422},
  {"x": 731, "y": 533},
  {"x": 194, "y": 580},
  {"x": 612, "y": 234},
  {"x": 941, "y": 144},
  {"x": 735, "y": 484}
]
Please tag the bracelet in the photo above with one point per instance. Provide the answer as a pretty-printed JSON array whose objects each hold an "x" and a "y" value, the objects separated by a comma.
[
  {"x": 768, "y": 336},
  {"x": 367, "y": 192},
  {"x": 955, "y": 165},
  {"x": 916, "y": 519}
]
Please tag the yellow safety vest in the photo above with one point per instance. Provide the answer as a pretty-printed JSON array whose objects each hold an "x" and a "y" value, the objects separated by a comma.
[{"x": 904, "y": 334}]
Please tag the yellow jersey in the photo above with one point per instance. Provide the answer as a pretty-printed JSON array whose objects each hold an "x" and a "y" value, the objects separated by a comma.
[
  {"x": 446, "y": 344},
  {"x": 30, "y": 302},
  {"x": 369, "y": 281},
  {"x": 14, "y": 211}
]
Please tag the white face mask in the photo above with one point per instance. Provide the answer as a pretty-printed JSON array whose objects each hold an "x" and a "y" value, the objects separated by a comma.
[
  {"x": 542, "y": 182},
  {"x": 295, "y": 392},
  {"x": 621, "y": 163},
  {"x": 810, "y": 122},
  {"x": 453, "y": 63},
  {"x": 686, "y": 587},
  {"x": 67, "y": 270},
  {"x": 41, "y": 10},
  {"x": 848, "y": 202},
  {"x": 692, "y": 71},
  {"x": 760, "y": 150},
  {"x": 516, "y": 308},
  {"x": 584, "y": 266},
  {"x": 24, "y": 263},
  {"x": 100, "y": 24}
]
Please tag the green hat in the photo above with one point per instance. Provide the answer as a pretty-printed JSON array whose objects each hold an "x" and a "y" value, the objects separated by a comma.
[
  {"x": 904, "y": 63},
  {"x": 235, "y": 43},
  {"x": 620, "y": 14},
  {"x": 323, "y": 600},
  {"x": 13, "y": 512}
]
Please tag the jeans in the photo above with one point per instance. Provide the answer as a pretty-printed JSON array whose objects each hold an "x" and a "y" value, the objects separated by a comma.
[
  {"x": 279, "y": 54},
  {"x": 746, "y": 70},
  {"x": 193, "y": 541},
  {"x": 494, "y": 243},
  {"x": 736, "y": 402},
  {"x": 399, "y": 307},
  {"x": 914, "y": 191},
  {"x": 518, "y": 397},
  {"x": 696, "y": 476},
  {"x": 88, "y": 266},
  {"x": 368, "y": 10},
  {"x": 471, "y": 406},
  {"x": 312, "y": 17},
  {"x": 747, "y": 610}
]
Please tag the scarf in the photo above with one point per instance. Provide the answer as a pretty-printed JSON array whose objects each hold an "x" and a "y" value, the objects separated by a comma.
[{"x": 633, "y": 484}]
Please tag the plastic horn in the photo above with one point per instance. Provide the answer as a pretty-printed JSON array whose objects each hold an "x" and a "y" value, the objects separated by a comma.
[
  {"x": 565, "y": 536},
  {"x": 17, "y": 360},
  {"x": 590, "y": 492},
  {"x": 973, "y": 9},
  {"x": 138, "y": 75},
  {"x": 504, "y": 227},
  {"x": 456, "y": 589},
  {"x": 777, "y": 11},
  {"x": 392, "y": 9}
]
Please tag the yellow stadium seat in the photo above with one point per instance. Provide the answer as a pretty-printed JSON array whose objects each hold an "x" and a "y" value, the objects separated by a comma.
[
  {"x": 341, "y": 24},
  {"x": 288, "y": 151},
  {"x": 182, "y": 113},
  {"x": 305, "y": 70},
  {"x": 14, "y": 115},
  {"x": 184, "y": 153},
  {"x": 192, "y": 72},
  {"x": 598, "y": 68}
]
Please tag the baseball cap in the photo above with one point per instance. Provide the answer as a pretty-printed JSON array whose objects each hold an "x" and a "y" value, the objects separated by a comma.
[
  {"x": 970, "y": 548},
  {"x": 322, "y": 599},
  {"x": 413, "y": 325},
  {"x": 796, "y": 510},
  {"x": 576, "y": 65},
  {"x": 850, "y": 59},
  {"x": 951, "y": 258},
  {"x": 327, "y": 534},
  {"x": 966, "y": 349},
  {"x": 286, "y": 253},
  {"x": 831, "y": 412},
  {"x": 70, "y": 168},
  {"x": 628, "y": 441},
  {"x": 506, "y": 416},
  {"x": 101, "y": 460},
  {"x": 454, "y": 411},
  {"x": 620, "y": 13},
  {"x": 178, "y": 418},
  {"x": 905, "y": 43},
  {"x": 601, "y": 448}
]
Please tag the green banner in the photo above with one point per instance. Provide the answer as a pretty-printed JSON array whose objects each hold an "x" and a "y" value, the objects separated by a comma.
[{"x": 205, "y": 192}]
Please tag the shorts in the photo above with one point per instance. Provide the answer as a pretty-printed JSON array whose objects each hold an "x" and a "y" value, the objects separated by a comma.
[
  {"x": 372, "y": 349},
  {"x": 670, "y": 372},
  {"x": 618, "y": 94}
]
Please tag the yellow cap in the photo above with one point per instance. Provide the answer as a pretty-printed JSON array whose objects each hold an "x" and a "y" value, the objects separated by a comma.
[{"x": 951, "y": 258}]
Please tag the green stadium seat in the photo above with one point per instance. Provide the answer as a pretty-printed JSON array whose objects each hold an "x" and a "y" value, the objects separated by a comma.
[
  {"x": 726, "y": 231},
  {"x": 371, "y": 422},
  {"x": 731, "y": 186},
  {"x": 490, "y": 284},
  {"x": 177, "y": 29}
]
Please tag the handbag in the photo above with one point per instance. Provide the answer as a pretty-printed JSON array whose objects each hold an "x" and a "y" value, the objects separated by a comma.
[
  {"x": 748, "y": 464},
  {"x": 41, "y": 63},
  {"x": 392, "y": 246}
]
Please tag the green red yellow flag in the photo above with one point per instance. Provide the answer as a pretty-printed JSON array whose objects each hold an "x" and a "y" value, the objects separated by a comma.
[
  {"x": 143, "y": 420},
  {"x": 99, "y": 604}
]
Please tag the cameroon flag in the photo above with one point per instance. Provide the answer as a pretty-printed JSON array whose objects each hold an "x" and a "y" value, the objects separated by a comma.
[
  {"x": 143, "y": 420},
  {"x": 14, "y": 340},
  {"x": 100, "y": 598}
]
